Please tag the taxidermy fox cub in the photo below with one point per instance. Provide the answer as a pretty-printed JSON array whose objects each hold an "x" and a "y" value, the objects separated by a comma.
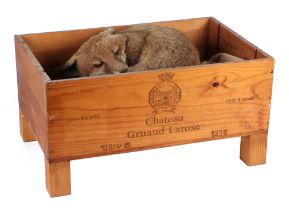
[{"x": 138, "y": 48}]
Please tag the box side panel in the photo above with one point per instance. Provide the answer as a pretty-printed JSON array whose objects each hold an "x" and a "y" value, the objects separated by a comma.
[
  {"x": 230, "y": 42},
  {"x": 31, "y": 82},
  {"x": 54, "y": 48},
  {"x": 223, "y": 39},
  {"x": 130, "y": 112},
  {"x": 213, "y": 37}
]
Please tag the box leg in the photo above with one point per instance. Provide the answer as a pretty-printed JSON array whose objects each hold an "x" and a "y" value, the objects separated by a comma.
[
  {"x": 25, "y": 130},
  {"x": 57, "y": 178},
  {"x": 253, "y": 149}
]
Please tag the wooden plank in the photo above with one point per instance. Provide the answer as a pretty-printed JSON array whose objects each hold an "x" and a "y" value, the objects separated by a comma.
[
  {"x": 113, "y": 114},
  {"x": 31, "y": 80},
  {"x": 25, "y": 130},
  {"x": 57, "y": 176},
  {"x": 232, "y": 43},
  {"x": 261, "y": 54},
  {"x": 54, "y": 48},
  {"x": 254, "y": 148},
  {"x": 224, "y": 39},
  {"x": 213, "y": 37}
]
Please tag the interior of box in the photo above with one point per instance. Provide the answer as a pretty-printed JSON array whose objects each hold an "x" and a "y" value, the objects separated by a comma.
[{"x": 53, "y": 49}]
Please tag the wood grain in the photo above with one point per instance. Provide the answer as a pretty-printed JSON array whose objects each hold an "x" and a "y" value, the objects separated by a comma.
[
  {"x": 31, "y": 80},
  {"x": 232, "y": 43},
  {"x": 57, "y": 176},
  {"x": 213, "y": 38},
  {"x": 88, "y": 115},
  {"x": 25, "y": 130},
  {"x": 253, "y": 148}
]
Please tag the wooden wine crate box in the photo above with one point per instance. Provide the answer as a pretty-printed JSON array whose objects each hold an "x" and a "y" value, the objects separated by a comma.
[{"x": 93, "y": 116}]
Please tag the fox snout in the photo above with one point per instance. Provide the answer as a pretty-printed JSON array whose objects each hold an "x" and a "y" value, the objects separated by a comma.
[{"x": 117, "y": 67}]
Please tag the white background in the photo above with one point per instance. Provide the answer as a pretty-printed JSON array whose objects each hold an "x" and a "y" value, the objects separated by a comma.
[{"x": 197, "y": 176}]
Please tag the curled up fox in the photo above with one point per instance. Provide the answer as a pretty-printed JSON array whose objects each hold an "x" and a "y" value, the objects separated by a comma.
[{"x": 137, "y": 48}]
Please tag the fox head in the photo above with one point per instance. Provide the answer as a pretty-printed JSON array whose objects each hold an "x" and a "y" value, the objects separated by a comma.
[{"x": 103, "y": 53}]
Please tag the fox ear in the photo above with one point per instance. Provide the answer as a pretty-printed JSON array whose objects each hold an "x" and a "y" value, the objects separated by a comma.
[
  {"x": 118, "y": 42},
  {"x": 109, "y": 31}
]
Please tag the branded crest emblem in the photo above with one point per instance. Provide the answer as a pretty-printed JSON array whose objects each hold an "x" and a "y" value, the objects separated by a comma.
[{"x": 165, "y": 95}]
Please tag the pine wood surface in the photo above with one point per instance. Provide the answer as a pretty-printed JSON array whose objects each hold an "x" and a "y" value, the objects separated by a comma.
[
  {"x": 57, "y": 178},
  {"x": 25, "y": 130},
  {"x": 32, "y": 80},
  {"x": 87, "y": 115},
  {"x": 253, "y": 148}
]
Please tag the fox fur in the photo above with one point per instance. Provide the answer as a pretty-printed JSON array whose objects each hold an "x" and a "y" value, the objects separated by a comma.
[{"x": 138, "y": 48}]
